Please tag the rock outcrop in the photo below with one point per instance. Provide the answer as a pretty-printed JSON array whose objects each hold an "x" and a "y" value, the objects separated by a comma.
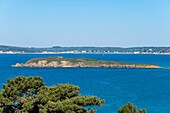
[{"x": 54, "y": 62}]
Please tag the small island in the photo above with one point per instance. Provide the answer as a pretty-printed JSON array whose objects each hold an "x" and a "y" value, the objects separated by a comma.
[{"x": 57, "y": 62}]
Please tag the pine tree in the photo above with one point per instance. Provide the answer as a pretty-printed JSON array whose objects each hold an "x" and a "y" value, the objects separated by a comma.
[
  {"x": 31, "y": 95},
  {"x": 129, "y": 108}
]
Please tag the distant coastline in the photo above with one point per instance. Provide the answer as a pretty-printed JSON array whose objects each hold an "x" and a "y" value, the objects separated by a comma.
[
  {"x": 71, "y": 52},
  {"x": 84, "y": 50}
]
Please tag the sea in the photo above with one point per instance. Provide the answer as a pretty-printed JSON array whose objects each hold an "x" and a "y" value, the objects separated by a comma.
[{"x": 145, "y": 88}]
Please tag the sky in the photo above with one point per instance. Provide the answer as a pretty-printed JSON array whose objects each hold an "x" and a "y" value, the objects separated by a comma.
[{"x": 111, "y": 23}]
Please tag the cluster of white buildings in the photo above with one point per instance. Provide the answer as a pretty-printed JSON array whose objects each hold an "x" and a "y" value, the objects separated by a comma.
[
  {"x": 9, "y": 52},
  {"x": 81, "y": 52}
]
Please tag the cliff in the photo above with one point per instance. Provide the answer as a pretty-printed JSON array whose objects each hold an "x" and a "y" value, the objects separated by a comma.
[{"x": 54, "y": 62}]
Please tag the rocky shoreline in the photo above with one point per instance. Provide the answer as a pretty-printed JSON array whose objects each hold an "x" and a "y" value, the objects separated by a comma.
[{"x": 59, "y": 62}]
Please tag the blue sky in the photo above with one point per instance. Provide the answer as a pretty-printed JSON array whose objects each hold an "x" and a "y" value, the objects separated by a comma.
[{"x": 123, "y": 23}]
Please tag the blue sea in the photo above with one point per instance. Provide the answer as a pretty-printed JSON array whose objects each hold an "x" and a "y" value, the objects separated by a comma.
[{"x": 145, "y": 88}]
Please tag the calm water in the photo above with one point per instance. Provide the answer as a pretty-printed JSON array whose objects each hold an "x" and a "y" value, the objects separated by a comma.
[{"x": 146, "y": 88}]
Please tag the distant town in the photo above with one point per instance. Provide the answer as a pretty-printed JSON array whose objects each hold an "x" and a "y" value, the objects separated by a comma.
[{"x": 83, "y": 50}]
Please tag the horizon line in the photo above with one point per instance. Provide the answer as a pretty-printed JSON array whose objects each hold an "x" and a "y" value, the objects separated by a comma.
[{"x": 78, "y": 46}]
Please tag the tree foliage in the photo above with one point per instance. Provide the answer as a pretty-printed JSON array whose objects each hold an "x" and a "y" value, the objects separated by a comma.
[
  {"x": 31, "y": 95},
  {"x": 129, "y": 108}
]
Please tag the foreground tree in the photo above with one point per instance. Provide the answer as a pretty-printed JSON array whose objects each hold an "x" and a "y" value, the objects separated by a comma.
[
  {"x": 129, "y": 108},
  {"x": 31, "y": 95}
]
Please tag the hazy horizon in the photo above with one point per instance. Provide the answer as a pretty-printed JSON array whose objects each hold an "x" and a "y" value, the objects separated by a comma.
[
  {"x": 76, "y": 46},
  {"x": 75, "y": 23}
]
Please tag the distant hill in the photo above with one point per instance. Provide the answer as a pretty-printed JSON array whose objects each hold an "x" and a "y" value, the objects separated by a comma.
[{"x": 59, "y": 49}]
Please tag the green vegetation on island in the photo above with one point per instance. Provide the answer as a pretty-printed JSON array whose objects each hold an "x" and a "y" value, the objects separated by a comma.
[
  {"x": 54, "y": 62},
  {"x": 30, "y": 95}
]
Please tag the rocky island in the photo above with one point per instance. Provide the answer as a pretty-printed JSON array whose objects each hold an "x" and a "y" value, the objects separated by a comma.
[{"x": 56, "y": 62}]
